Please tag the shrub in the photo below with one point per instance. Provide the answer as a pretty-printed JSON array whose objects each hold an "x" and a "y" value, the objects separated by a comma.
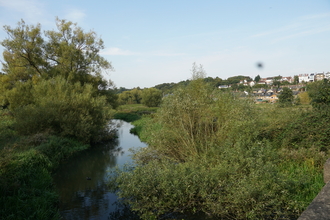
[
  {"x": 151, "y": 97},
  {"x": 26, "y": 187},
  {"x": 196, "y": 118},
  {"x": 62, "y": 108},
  {"x": 319, "y": 92},
  {"x": 238, "y": 181}
]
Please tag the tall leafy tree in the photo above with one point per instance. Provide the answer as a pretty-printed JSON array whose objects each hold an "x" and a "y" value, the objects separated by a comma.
[
  {"x": 257, "y": 78},
  {"x": 52, "y": 81},
  {"x": 30, "y": 55}
]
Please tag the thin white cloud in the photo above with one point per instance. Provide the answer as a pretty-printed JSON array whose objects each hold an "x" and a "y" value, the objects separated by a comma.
[
  {"x": 316, "y": 16},
  {"x": 31, "y": 10},
  {"x": 165, "y": 54},
  {"x": 75, "y": 15},
  {"x": 311, "y": 31},
  {"x": 306, "y": 25},
  {"x": 114, "y": 51},
  {"x": 277, "y": 31}
]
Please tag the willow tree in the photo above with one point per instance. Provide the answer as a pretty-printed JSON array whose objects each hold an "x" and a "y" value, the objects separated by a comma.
[
  {"x": 31, "y": 55},
  {"x": 67, "y": 58}
]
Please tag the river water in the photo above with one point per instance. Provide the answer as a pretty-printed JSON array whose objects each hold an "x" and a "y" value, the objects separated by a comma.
[{"x": 82, "y": 180}]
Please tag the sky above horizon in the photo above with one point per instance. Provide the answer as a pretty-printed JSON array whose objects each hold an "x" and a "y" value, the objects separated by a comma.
[{"x": 150, "y": 42}]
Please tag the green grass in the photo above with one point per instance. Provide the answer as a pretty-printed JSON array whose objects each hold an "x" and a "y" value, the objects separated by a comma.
[{"x": 133, "y": 112}]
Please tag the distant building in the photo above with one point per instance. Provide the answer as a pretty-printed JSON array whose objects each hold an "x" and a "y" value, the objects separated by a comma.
[
  {"x": 306, "y": 77},
  {"x": 287, "y": 79},
  {"x": 319, "y": 76},
  {"x": 327, "y": 75}
]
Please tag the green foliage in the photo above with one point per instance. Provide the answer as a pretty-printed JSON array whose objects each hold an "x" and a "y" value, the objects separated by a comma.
[
  {"x": 151, "y": 97},
  {"x": 68, "y": 52},
  {"x": 308, "y": 130},
  {"x": 56, "y": 106},
  {"x": 140, "y": 127},
  {"x": 236, "y": 80},
  {"x": 6, "y": 128},
  {"x": 26, "y": 191},
  {"x": 211, "y": 152},
  {"x": 196, "y": 117},
  {"x": 127, "y": 116},
  {"x": 133, "y": 112},
  {"x": 304, "y": 98},
  {"x": 52, "y": 82},
  {"x": 319, "y": 92},
  {"x": 26, "y": 164},
  {"x": 257, "y": 78},
  {"x": 286, "y": 97},
  {"x": 130, "y": 97},
  {"x": 198, "y": 72},
  {"x": 58, "y": 149},
  {"x": 239, "y": 181}
]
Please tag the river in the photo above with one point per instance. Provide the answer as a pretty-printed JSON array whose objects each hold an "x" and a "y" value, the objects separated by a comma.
[{"x": 81, "y": 181}]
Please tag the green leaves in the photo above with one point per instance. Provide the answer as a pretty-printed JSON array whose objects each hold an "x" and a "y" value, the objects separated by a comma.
[
  {"x": 68, "y": 52},
  {"x": 286, "y": 97},
  {"x": 151, "y": 97},
  {"x": 319, "y": 92},
  {"x": 52, "y": 81},
  {"x": 62, "y": 108}
]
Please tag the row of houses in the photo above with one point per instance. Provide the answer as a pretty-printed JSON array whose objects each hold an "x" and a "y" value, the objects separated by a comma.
[
  {"x": 306, "y": 77},
  {"x": 271, "y": 80},
  {"x": 265, "y": 81},
  {"x": 312, "y": 77}
]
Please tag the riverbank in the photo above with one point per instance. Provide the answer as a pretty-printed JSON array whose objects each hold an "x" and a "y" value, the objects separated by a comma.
[
  {"x": 26, "y": 167},
  {"x": 277, "y": 174},
  {"x": 27, "y": 164}
]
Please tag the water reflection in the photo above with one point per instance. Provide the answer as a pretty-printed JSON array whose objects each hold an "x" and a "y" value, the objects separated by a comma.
[{"x": 81, "y": 198}]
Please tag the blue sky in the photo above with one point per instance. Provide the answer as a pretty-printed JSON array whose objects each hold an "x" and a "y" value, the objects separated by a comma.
[{"x": 150, "y": 42}]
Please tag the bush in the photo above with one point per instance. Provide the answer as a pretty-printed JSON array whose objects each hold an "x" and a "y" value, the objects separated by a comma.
[
  {"x": 196, "y": 118},
  {"x": 286, "y": 97},
  {"x": 151, "y": 97},
  {"x": 59, "y": 107},
  {"x": 26, "y": 187},
  {"x": 238, "y": 181},
  {"x": 208, "y": 153},
  {"x": 319, "y": 92}
]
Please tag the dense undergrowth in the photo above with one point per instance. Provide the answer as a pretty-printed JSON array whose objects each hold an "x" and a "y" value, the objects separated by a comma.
[
  {"x": 228, "y": 158},
  {"x": 133, "y": 112},
  {"x": 26, "y": 165}
]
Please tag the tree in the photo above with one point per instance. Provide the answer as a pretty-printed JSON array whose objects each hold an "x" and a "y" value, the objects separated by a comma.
[
  {"x": 319, "y": 92},
  {"x": 257, "y": 78},
  {"x": 131, "y": 97},
  {"x": 286, "y": 97},
  {"x": 151, "y": 97},
  {"x": 31, "y": 55},
  {"x": 296, "y": 80},
  {"x": 237, "y": 79},
  {"x": 52, "y": 81},
  {"x": 198, "y": 72}
]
